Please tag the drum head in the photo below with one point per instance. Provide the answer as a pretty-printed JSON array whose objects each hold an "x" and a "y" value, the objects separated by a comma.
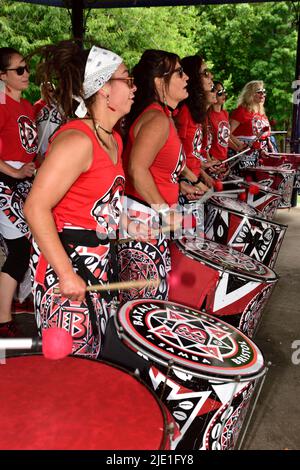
[
  {"x": 75, "y": 404},
  {"x": 226, "y": 259},
  {"x": 234, "y": 205},
  {"x": 195, "y": 342}
]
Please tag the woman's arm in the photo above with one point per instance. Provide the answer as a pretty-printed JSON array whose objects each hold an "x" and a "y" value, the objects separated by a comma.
[
  {"x": 70, "y": 155},
  {"x": 151, "y": 133},
  {"x": 234, "y": 142},
  {"x": 26, "y": 171}
]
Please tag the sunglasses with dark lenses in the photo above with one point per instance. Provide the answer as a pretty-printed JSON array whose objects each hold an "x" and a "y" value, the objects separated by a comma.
[
  {"x": 129, "y": 80},
  {"x": 261, "y": 91},
  {"x": 221, "y": 92},
  {"x": 179, "y": 70},
  {"x": 20, "y": 70}
]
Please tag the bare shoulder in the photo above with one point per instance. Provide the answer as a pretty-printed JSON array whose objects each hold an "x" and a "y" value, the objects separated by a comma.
[
  {"x": 73, "y": 138},
  {"x": 153, "y": 120}
]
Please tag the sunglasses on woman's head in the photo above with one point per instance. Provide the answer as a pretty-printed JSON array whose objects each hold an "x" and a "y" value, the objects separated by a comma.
[
  {"x": 261, "y": 91},
  {"x": 221, "y": 92},
  {"x": 21, "y": 69}
]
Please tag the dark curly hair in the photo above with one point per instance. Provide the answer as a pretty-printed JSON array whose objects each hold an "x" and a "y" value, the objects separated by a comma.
[
  {"x": 63, "y": 64},
  {"x": 196, "y": 101}
]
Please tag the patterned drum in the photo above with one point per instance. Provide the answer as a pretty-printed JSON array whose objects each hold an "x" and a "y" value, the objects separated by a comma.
[
  {"x": 235, "y": 223},
  {"x": 285, "y": 161},
  {"x": 78, "y": 403},
  {"x": 204, "y": 370},
  {"x": 222, "y": 281},
  {"x": 276, "y": 178}
]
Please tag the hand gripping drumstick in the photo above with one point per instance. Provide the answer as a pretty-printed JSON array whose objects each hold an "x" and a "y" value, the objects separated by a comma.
[
  {"x": 55, "y": 343},
  {"x": 124, "y": 285},
  {"x": 264, "y": 129}
]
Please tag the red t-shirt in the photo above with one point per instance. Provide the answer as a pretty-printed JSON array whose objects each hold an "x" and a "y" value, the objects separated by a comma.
[
  {"x": 166, "y": 167},
  {"x": 251, "y": 124},
  {"x": 219, "y": 122},
  {"x": 18, "y": 134},
  {"x": 191, "y": 135},
  {"x": 94, "y": 200}
]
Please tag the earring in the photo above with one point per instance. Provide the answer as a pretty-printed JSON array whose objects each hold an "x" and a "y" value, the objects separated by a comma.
[{"x": 108, "y": 105}]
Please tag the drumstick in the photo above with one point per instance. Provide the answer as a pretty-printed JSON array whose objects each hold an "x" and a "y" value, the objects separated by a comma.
[
  {"x": 124, "y": 285},
  {"x": 264, "y": 129}
]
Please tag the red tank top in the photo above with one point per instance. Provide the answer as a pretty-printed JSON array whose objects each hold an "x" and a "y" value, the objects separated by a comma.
[
  {"x": 167, "y": 165},
  {"x": 191, "y": 135},
  {"x": 94, "y": 200}
]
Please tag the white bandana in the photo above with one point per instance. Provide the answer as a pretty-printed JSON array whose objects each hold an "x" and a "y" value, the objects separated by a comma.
[{"x": 100, "y": 66}]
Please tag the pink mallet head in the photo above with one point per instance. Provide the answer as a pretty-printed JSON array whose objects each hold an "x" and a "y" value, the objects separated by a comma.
[
  {"x": 253, "y": 189},
  {"x": 57, "y": 343}
]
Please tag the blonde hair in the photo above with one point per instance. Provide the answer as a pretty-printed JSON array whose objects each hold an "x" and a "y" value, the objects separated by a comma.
[{"x": 246, "y": 97}]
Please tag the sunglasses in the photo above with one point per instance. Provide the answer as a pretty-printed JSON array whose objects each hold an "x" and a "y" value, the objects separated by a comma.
[
  {"x": 20, "y": 70},
  {"x": 205, "y": 73},
  {"x": 261, "y": 91},
  {"x": 179, "y": 70},
  {"x": 129, "y": 80},
  {"x": 221, "y": 92}
]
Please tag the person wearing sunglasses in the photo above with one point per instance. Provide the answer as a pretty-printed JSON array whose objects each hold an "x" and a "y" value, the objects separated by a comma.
[
  {"x": 153, "y": 161},
  {"x": 18, "y": 146},
  {"x": 191, "y": 120},
  {"x": 247, "y": 122},
  {"x": 75, "y": 205},
  {"x": 218, "y": 118}
]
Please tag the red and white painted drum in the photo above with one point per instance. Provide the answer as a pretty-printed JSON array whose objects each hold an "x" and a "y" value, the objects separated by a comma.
[
  {"x": 236, "y": 224},
  {"x": 77, "y": 403},
  {"x": 204, "y": 370},
  {"x": 285, "y": 161},
  {"x": 220, "y": 280},
  {"x": 276, "y": 178}
]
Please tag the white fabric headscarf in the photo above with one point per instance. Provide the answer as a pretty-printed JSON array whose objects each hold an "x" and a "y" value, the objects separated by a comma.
[{"x": 100, "y": 66}]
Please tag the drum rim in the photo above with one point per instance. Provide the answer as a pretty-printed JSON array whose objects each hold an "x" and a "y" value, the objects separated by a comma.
[
  {"x": 248, "y": 216},
  {"x": 166, "y": 435},
  {"x": 254, "y": 278},
  {"x": 270, "y": 169},
  {"x": 124, "y": 329}
]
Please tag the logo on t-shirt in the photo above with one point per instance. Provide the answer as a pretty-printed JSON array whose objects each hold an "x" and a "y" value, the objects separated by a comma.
[
  {"x": 258, "y": 123},
  {"x": 179, "y": 166},
  {"x": 28, "y": 134},
  {"x": 107, "y": 210},
  {"x": 197, "y": 142},
  {"x": 223, "y": 133}
]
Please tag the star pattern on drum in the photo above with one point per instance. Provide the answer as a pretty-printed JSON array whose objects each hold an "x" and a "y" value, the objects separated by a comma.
[{"x": 182, "y": 330}]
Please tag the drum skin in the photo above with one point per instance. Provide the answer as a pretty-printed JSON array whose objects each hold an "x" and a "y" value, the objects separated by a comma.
[
  {"x": 222, "y": 281},
  {"x": 76, "y": 403},
  {"x": 234, "y": 223},
  {"x": 204, "y": 370}
]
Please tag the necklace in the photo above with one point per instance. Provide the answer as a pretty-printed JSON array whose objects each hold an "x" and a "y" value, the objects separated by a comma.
[{"x": 97, "y": 126}]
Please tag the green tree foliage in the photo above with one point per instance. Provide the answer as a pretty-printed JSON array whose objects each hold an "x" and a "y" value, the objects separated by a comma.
[{"x": 241, "y": 42}]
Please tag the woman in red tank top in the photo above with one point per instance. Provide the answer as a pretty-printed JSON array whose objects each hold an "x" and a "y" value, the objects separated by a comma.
[
  {"x": 18, "y": 146},
  {"x": 153, "y": 161},
  {"x": 75, "y": 203}
]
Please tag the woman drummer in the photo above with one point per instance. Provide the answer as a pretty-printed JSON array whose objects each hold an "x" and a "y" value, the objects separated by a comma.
[{"x": 75, "y": 203}]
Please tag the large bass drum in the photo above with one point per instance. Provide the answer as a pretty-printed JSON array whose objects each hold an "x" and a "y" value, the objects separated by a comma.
[
  {"x": 222, "y": 281},
  {"x": 236, "y": 224},
  {"x": 204, "y": 370}
]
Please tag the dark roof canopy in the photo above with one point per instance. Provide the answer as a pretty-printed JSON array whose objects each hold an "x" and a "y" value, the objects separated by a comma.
[{"x": 134, "y": 3}]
